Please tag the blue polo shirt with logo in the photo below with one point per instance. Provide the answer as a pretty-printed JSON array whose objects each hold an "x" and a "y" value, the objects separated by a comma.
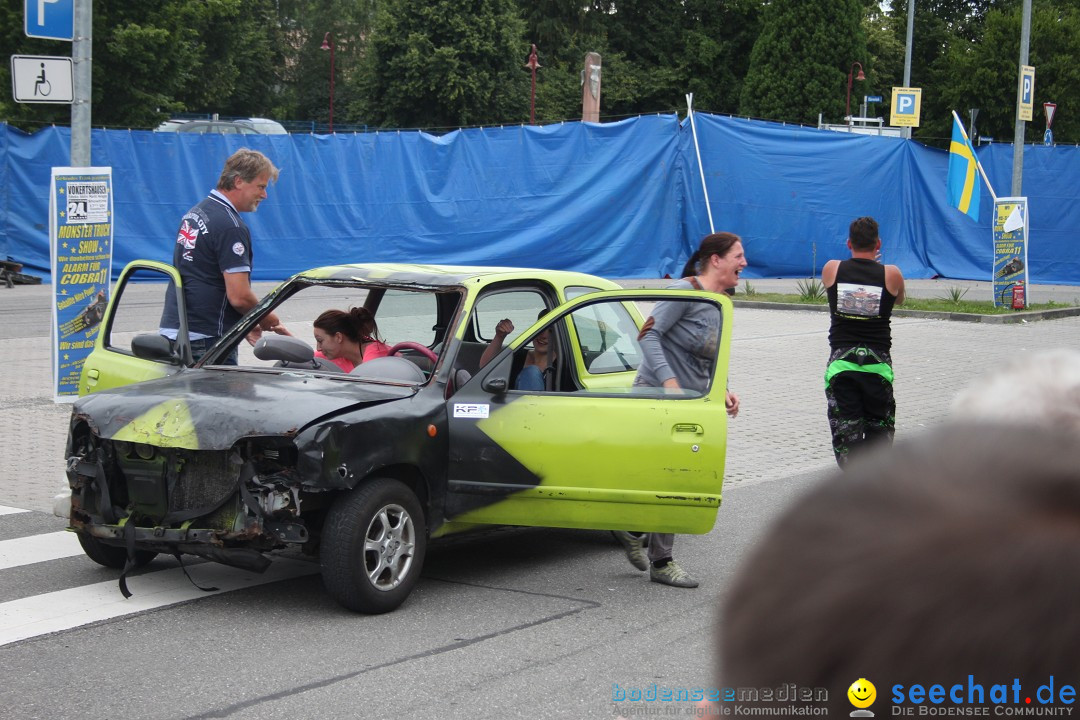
[{"x": 212, "y": 240}]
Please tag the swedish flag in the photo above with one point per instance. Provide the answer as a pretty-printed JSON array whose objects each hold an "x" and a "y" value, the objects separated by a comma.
[{"x": 963, "y": 184}]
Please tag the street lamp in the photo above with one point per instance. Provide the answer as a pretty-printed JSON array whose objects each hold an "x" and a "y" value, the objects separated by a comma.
[
  {"x": 532, "y": 65},
  {"x": 860, "y": 76},
  {"x": 328, "y": 44}
]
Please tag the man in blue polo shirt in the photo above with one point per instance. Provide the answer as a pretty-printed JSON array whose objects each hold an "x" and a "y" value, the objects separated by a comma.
[{"x": 213, "y": 254}]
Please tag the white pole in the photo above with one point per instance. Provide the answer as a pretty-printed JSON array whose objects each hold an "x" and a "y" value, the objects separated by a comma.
[{"x": 697, "y": 149}]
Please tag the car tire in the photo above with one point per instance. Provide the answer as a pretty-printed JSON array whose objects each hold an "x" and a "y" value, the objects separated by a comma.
[
  {"x": 373, "y": 546},
  {"x": 112, "y": 556}
]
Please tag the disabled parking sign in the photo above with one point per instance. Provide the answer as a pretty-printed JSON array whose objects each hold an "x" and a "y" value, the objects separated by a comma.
[{"x": 906, "y": 106}]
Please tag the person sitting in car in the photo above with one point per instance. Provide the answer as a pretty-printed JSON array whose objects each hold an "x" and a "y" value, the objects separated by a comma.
[
  {"x": 348, "y": 338},
  {"x": 531, "y": 368}
]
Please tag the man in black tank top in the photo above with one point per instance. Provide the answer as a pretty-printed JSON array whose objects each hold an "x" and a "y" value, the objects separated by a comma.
[{"x": 859, "y": 375}]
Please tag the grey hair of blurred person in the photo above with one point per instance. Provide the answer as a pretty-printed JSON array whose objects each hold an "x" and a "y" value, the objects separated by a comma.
[{"x": 1040, "y": 387}]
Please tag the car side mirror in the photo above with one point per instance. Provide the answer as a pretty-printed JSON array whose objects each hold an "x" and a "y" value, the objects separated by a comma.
[
  {"x": 151, "y": 346},
  {"x": 494, "y": 385}
]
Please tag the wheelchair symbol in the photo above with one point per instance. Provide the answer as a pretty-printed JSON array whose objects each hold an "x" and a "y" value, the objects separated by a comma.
[{"x": 42, "y": 86}]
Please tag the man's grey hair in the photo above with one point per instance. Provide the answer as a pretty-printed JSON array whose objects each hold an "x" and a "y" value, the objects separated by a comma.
[
  {"x": 245, "y": 164},
  {"x": 1041, "y": 388}
]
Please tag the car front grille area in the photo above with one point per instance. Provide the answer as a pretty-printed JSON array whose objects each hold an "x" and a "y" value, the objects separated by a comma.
[
  {"x": 178, "y": 494},
  {"x": 162, "y": 482}
]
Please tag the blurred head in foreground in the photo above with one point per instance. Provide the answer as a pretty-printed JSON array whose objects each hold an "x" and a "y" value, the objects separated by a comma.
[{"x": 952, "y": 555}]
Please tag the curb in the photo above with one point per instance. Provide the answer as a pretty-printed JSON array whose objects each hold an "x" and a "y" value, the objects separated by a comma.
[{"x": 1014, "y": 318}]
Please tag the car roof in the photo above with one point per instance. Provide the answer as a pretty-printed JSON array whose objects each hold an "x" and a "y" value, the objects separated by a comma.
[
  {"x": 216, "y": 126},
  {"x": 450, "y": 275},
  {"x": 266, "y": 126}
]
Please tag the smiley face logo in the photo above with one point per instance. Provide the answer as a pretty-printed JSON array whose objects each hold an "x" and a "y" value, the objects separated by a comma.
[{"x": 862, "y": 693}]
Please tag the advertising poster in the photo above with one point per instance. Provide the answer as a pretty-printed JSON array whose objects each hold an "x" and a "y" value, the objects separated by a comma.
[
  {"x": 1010, "y": 251},
  {"x": 80, "y": 237}
]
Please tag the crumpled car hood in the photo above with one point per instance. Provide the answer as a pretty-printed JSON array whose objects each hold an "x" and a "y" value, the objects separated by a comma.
[{"x": 211, "y": 409}]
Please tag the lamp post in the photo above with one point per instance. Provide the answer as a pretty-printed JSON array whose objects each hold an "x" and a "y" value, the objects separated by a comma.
[
  {"x": 860, "y": 76},
  {"x": 532, "y": 65},
  {"x": 328, "y": 44}
]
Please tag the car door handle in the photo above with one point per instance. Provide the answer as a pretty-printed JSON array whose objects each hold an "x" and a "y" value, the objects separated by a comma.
[
  {"x": 92, "y": 376},
  {"x": 683, "y": 429}
]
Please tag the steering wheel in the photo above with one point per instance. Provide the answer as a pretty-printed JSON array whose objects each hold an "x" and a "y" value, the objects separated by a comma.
[{"x": 409, "y": 345}]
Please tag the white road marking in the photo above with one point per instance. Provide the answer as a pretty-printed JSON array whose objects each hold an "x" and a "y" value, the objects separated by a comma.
[
  {"x": 38, "y": 548},
  {"x": 66, "y": 609},
  {"x": 5, "y": 510}
]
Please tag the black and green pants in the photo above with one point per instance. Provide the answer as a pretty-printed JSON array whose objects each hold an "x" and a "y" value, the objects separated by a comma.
[{"x": 861, "y": 407}]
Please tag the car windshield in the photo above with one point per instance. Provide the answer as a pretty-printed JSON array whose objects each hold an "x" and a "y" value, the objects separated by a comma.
[{"x": 381, "y": 318}]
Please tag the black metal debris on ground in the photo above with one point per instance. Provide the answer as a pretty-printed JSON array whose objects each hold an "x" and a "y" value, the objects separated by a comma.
[{"x": 11, "y": 274}]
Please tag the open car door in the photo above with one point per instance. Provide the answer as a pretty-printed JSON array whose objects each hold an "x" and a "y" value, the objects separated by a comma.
[
  {"x": 129, "y": 349},
  {"x": 584, "y": 453}
]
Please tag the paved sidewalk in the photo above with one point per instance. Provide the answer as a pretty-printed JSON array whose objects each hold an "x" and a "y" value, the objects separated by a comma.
[{"x": 778, "y": 361}]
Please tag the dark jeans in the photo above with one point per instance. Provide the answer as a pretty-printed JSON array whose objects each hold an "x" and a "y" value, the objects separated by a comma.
[{"x": 200, "y": 346}]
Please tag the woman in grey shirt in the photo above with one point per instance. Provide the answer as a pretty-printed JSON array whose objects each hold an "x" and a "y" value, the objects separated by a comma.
[{"x": 679, "y": 345}]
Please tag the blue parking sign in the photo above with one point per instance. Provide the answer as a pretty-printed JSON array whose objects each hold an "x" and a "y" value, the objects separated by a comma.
[{"x": 50, "y": 19}]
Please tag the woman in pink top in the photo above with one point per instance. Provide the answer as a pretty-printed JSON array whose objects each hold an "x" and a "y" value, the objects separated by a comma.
[{"x": 348, "y": 338}]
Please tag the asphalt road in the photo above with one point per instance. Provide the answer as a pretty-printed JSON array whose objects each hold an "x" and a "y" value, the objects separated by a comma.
[{"x": 520, "y": 623}]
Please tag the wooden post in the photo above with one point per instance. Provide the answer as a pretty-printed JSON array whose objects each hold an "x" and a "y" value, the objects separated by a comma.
[{"x": 590, "y": 88}]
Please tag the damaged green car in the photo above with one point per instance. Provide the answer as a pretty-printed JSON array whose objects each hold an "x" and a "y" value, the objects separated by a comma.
[{"x": 287, "y": 452}]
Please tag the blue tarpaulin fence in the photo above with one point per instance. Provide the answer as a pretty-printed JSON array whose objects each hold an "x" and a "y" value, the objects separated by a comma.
[{"x": 615, "y": 199}]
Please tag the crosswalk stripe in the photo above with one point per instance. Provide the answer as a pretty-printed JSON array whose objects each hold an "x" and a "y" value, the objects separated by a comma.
[
  {"x": 5, "y": 510},
  {"x": 38, "y": 548},
  {"x": 65, "y": 609}
]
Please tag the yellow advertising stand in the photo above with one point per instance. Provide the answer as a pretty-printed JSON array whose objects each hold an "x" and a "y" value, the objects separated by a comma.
[
  {"x": 1010, "y": 252},
  {"x": 81, "y": 241}
]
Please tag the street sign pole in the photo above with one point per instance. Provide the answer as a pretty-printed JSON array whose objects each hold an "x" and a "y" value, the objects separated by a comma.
[
  {"x": 80, "y": 108},
  {"x": 1018, "y": 136}
]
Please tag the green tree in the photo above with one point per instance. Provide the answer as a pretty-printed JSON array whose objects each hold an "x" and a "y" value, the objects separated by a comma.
[
  {"x": 13, "y": 41},
  {"x": 154, "y": 59},
  {"x": 305, "y": 88},
  {"x": 720, "y": 38},
  {"x": 801, "y": 59},
  {"x": 653, "y": 53},
  {"x": 984, "y": 73},
  {"x": 444, "y": 64},
  {"x": 185, "y": 55},
  {"x": 941, "y": 28},
  {"x": 645, "y": 39}
]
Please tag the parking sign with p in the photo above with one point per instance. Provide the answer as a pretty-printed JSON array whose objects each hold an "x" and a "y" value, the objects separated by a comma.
[
  {"x": 49, "y": 19},
  {"x": 1026, "y": 106},
  {"x": 906, "y": 105}
]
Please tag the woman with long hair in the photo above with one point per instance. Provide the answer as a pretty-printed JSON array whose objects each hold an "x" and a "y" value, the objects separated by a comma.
[
  {"x": 348, "y": 338},
  {"x": 679, "y": 344}
]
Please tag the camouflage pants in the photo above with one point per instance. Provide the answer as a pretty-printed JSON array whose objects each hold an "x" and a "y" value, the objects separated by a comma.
[{"x": 861, "y": 410}]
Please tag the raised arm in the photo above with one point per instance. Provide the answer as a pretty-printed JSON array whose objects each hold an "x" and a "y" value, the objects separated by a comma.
[{"x": 504, "y": 328}]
